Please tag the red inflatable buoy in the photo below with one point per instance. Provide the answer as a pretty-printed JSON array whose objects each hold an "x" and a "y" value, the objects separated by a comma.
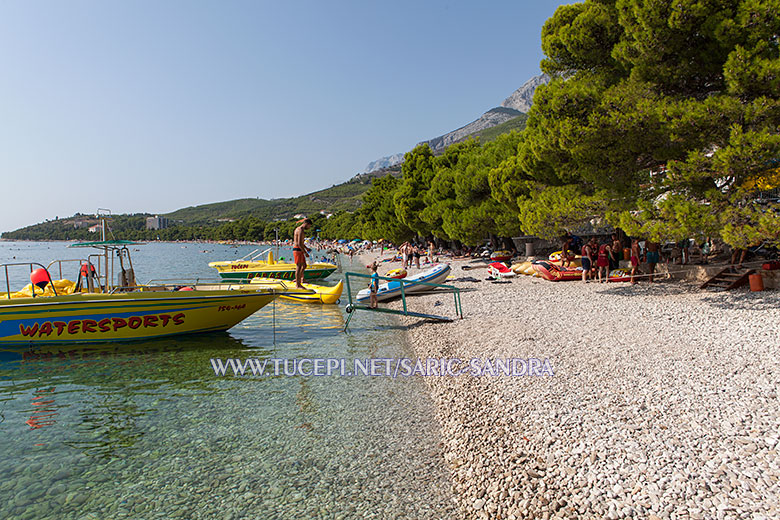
[
  {"x": 186, "y": 289},
  {"x": 40, "y": 277}
]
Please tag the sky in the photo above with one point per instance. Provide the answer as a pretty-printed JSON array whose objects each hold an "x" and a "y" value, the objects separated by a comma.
[{"x": 150, "y": 106}]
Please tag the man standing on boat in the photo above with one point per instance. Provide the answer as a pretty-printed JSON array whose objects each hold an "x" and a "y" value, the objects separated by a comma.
[{"x": 300, "y": 251}]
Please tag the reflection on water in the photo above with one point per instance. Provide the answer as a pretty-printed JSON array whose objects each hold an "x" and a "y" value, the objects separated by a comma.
[
  {"x": 147, "y": 430},
  {"x": 44, "y": 409}
]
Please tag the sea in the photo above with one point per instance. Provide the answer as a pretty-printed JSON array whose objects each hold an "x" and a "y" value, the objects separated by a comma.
[{"x": 149, "y": 430}]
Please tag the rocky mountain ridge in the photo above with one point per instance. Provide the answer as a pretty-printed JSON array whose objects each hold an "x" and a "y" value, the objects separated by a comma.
[
  {"x": 517, "y": 104},
  {"x": 522, "y": 98},
  {"x": 491, "y": 118}
]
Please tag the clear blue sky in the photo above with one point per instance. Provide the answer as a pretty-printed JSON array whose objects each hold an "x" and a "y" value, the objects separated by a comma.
[{"x": 156, "y": 105}]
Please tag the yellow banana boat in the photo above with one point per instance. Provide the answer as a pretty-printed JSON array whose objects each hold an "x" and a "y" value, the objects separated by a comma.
[{"x": 312, "y": 294}]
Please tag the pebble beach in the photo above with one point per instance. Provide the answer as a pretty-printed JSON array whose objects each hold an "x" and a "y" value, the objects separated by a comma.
[{"x": 663, "y": 402}]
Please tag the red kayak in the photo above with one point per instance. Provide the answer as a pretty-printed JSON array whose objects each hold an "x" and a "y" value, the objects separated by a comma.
[{"x": 556, "y": 273}]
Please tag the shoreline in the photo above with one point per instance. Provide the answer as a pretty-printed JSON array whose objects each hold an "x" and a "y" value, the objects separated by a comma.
[{"x": 663, "y": 403}]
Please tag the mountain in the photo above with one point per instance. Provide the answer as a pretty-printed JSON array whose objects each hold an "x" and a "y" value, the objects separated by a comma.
[
  {"x": 522, "y": 98},
  {"x": 385, "y": 162},
  {"x": 511, "y": 115},
  {"x": 490, "y": 134},
  {"x": 345, "y": 196},
  {"x": 493, "y": 117}
]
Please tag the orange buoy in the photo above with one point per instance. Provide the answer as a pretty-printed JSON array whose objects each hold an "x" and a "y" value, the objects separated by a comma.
[
  {"x": 87, "y": 268},
  {"x": 186, "y": 289},
  {"x": 756, "y": 282},
  {"x": 40, "y": 277}
]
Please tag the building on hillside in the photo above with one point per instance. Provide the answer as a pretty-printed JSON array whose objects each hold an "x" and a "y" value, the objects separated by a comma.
[
  {"x": 78, "y": 224},
  {"x": 156, "y": 222},
  {"x": 95, "y": 228}
]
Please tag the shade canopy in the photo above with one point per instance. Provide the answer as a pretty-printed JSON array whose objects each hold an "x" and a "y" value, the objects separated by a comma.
[{"x": 107, "y": 243}]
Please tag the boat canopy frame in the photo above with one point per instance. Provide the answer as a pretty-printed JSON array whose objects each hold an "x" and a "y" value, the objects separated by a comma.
[{"x": 112, "y": 248}]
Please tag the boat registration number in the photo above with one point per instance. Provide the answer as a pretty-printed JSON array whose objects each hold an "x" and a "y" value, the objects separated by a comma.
[{"x": 232, "y": 307}]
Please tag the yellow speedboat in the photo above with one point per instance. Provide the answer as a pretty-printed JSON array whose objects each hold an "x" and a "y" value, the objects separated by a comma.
[
  {"x": 312, "y": 294},
  {"x": 95, "y": 310},
  {"x": 252, "y": 268},
  {"x": 122, "y": 316}
]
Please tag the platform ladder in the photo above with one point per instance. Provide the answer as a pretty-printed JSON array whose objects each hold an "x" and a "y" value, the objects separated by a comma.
[{"x": 354, "y": 306}]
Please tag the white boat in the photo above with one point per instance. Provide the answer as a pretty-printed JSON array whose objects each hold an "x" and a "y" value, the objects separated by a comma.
[{"x": 436, "y": 274}]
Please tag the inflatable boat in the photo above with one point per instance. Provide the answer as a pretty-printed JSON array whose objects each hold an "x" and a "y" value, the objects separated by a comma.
[
  {"x": 556, "y": 273},
  {"x": 436, "y": 274},
  {"x": 501, "y": 256},
  {"x": 556, "y": 258},
  {"x": 620, "y": 275},
  {"x": 525, "y": 268},
  {"x": 499, "y": 270}
]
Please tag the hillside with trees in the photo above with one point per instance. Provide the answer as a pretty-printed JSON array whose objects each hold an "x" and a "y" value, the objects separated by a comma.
[{"x": 661, "y": 118}]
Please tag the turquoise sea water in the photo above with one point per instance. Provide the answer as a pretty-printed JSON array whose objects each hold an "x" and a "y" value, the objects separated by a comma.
[{"x": 147, "y": 430}]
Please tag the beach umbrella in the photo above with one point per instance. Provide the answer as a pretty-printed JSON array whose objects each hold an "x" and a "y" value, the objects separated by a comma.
[{"x": 343, "y": 241}]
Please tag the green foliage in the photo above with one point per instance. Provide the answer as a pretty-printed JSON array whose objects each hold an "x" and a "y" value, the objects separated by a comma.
[
  {"x": 661, "y": 115},
  {"x": 343, "y": 224},
  {"x": 346, "y": 196},
  {"x": 550, "y": 211},
  {"x": 377, "y": 216},
  {"x": 516, "y": 124},
  {"x": 580, "y": 37},
  {"x": 416, "y": 176}
]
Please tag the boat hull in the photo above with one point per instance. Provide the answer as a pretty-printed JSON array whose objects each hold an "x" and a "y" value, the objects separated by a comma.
[
  {"x": 308, "y": 275},
  {"x": 238, "y": 271},
  {"x": 390, "y": 290},
  {"x": 88, "y": 318}
]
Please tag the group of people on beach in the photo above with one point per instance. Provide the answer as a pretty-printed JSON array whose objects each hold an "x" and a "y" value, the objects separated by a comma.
[
  {"x": 599, "y": 259},
  {"x": 411, "y": 254}
]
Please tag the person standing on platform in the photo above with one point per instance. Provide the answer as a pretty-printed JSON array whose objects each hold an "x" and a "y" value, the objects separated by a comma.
[{"x": 300, "y": 251}]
